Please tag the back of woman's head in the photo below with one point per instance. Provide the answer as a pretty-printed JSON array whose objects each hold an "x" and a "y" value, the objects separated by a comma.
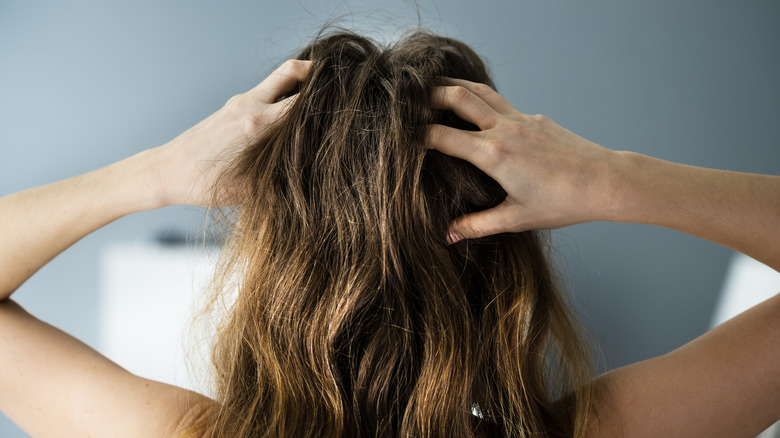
[{"x": 354, "y": 317}]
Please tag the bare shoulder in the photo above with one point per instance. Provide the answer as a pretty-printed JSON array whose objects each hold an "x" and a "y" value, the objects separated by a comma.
[
  {"x": 723, "y": 383},
  {"x": 53, "y": 385}
]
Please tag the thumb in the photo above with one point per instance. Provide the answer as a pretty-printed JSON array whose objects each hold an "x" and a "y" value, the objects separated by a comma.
[{"x": 482, "y": 223}]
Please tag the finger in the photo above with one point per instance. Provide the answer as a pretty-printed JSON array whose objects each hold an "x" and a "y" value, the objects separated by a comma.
[
  {"x": 499, "y": 219},
  {"x": 282, "y": 80},
  {"x": 466, "y": 145},
  {"x": 466, "y": 105},
  {"x": 282, "y": 106},
  {"x": 484, "y": 92}
]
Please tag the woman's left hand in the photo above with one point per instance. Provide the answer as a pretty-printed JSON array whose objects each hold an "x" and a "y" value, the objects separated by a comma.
[{"x": 193, "y": 160}]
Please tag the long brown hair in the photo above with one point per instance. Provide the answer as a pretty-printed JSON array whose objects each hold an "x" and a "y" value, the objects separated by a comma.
[{"x": 353, "y": 316}]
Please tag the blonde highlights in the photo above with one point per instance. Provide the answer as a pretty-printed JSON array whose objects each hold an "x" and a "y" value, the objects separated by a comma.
[{"x": 353, "y": 317}]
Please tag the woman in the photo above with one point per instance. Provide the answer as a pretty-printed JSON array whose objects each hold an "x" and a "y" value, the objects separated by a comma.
[{"x": 386, "y": 286}]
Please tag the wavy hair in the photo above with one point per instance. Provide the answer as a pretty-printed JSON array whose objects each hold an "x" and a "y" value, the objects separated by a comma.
[{"x": 353, "y": 316}]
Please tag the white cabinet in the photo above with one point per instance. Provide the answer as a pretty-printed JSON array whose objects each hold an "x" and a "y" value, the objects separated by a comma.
[{"x": 148, "y": 293}]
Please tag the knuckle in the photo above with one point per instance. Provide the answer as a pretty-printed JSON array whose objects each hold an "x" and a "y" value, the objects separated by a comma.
[
  {"x": 289, "y": 65},
  {"x": 460, "y": 93},
  {"x": 234, "y": 102},
  {"x": 294, "y": 67},
  {"x": 540, "y": 118},
  {"x": 517, "y": 129},
  {"x": 494, "y": 151},
  {"x": 251, "y": 123},
  {"x": 433, "y": 134},
  {"x": 482, "y": 89}
]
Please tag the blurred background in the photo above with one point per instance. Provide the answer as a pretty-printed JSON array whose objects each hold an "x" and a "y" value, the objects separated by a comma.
[{"x": 83, "y": 84}]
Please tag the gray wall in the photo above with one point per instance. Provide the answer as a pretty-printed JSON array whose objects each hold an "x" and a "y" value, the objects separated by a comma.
[{"x": 85, "y": 84}]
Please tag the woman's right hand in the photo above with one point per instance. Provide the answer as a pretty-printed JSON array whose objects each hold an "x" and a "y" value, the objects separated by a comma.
[
  {"x": 196, "y": 157},
  {"x": 553, "y": 177}
]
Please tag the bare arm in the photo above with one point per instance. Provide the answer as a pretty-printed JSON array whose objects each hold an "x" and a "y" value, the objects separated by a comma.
[
  {"x": 51, "y": 384},
  {"x": 725, "y": 383},
  {"x": 556, "y": 178},
  {"x": 737, "y": 210},
  {"x": 42, "y": 222}
]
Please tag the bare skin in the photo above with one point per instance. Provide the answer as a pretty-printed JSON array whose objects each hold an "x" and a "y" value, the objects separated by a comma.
[
  {"x": 51, "y": 384},
  {"x": 725, "y": 383}
]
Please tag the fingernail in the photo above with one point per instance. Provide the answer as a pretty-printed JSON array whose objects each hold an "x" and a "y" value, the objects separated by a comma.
[{"x": 453, "y": 237}]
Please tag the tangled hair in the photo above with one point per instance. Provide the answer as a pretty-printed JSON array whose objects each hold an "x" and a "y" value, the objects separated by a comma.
[{"x": 353, "y": 316}]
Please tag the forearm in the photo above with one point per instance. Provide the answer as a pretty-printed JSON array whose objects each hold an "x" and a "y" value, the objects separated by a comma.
[
  {"x": 727, "y": 380},
  {"x": 737, "y": 210},
  {"x": 39, "y": 223}
]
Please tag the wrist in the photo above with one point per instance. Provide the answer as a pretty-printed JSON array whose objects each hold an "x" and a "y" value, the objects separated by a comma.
[
  {"x": 145, "y": 174},
  {"x": 622, "y": 184},
  {"x": 644, "y": 189},
  {"x": 606, "y": 195}
]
